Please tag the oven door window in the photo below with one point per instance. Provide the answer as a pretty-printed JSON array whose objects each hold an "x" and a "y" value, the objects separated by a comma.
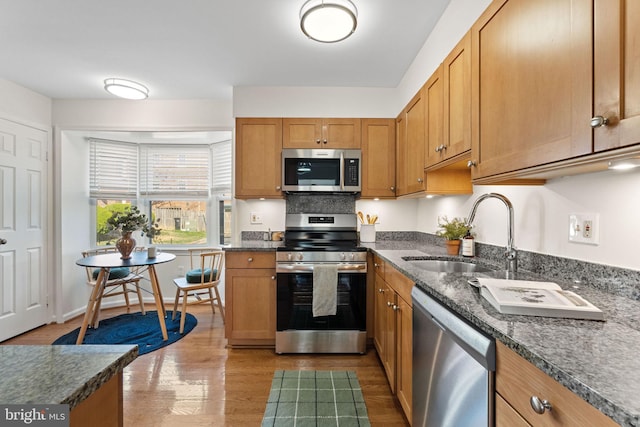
[
  {"x": 295, "y": 302},
  {"x": 309, "y": 172}
]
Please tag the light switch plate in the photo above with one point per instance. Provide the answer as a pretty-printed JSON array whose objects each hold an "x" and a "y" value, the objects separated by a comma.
[
  {"x": 584, "y": 228},
  {"x": 255, "y": 218}
]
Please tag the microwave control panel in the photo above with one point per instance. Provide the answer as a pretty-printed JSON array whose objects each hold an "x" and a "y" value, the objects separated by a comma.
[{"x": 351, "y": 172}]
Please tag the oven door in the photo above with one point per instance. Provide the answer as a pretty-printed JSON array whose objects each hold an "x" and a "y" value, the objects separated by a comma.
[{"x": 295, "y": 300}]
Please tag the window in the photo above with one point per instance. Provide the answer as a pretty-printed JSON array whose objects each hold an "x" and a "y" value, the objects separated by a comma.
[{"x": 186, "y": 188}]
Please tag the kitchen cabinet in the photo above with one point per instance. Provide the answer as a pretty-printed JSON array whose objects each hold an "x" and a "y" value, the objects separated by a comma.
[
  {"x": 517, "y": 381},
  {"x": 448, "y": 93},
  {"x": 393, "y": 337},
  {"x": 378, "y": 158},
  {"x": 258, "y": 158},
  {"x": 411, "y": 146},
  {"x": 250, "y": 291},
  {"x": 321, "y": 133},
  {"x": 541, "y": 71}
]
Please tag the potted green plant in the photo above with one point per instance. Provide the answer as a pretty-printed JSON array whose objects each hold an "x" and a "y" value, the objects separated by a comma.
[
  {"x": 452, "y": 230},
  {"x": 128, "y": 221}
]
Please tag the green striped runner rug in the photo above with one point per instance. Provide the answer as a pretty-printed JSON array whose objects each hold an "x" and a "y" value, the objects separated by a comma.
[{"x": 315, "y": 398}]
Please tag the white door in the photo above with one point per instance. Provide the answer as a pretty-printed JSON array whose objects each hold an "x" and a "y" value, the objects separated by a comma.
[{"x": 23, "y": 223}]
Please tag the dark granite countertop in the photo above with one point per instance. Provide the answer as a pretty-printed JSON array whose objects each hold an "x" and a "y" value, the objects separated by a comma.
[
  {"x": 598, "y": 361},
  {"x": 254, "y": 246},
  {"x": 65, "y": 374}
]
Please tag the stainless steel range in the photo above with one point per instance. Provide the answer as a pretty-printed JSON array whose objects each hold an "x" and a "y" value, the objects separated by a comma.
[{"x": 331, "y": 241}]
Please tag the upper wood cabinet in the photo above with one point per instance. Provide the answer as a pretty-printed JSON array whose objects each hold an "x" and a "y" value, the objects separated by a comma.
[
  {"x": 378, "y": 158},
  {"x": 531, "y": 75},
  {"x": 448, "y": 92},
  {"x": 258, "y": 158},
  {"x": 410, "y": 146},
  {"x": 616, "y": 77},
  {"x": 321, "y": 133},
  {"x": 545, "y": 74}
]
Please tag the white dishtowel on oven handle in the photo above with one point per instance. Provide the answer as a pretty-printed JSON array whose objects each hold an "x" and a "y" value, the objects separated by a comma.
[{"x": 325, "y": 290}]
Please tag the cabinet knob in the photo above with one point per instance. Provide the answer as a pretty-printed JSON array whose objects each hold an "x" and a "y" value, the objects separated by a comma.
[
  {"x": 438, "y": 148},
  {"x": 278, "y": 188},
  {"x": 395, "y": 307},
  {"x": 317, "y": 141},
  {"x": 250, "y": 259},
  {"x": 420, "y": 180},
  {"x": 471, "y": 163},
  {"x": 599, "y": 121},
  {"x": 389, "y": 303},
  {"x": 273, "y": 277},
  {"x": 539, "y": 406},
  {"x": 324, "y": 142},
  {"x": 381, "y": 291},
  {"x": 3, "y": 241},
  {"x": 392, "y": 189}
]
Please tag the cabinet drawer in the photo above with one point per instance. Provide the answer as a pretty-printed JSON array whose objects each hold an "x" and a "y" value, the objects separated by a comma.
[
  {"x": 250, "y": 260},
  {"x": 517, "y": 380},
  {"x": 400, "y": 283},
  {"x": 506, "y": 416},
  {"x": 379, "y": 266}
]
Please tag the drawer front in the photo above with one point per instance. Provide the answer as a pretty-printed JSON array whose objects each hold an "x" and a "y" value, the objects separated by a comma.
[
  {"x": 400, "y": 283},
  {"x": 517, "y": 380},
  {"x": 379, "y": 266},
  {"x": 506, "y": 416},
  {"x": 250, "y": 260}
]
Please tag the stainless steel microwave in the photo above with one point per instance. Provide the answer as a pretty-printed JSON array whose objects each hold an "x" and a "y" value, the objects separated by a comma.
[{"x": 321, "y": 170}]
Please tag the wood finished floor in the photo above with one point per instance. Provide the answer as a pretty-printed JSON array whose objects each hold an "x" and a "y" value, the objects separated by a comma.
[{"x": 199, "y": 382}]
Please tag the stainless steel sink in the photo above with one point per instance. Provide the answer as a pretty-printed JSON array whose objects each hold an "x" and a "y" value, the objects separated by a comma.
[{"x": 447, "y": 266}]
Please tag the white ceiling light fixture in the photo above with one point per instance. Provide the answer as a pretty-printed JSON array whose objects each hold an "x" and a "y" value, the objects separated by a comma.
[
  {"x": 126, "y": 89},
  {"x": 328, "y": 21}
]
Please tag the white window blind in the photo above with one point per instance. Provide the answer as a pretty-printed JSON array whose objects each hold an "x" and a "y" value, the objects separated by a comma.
[
  {"x": 113, "y": 169},
  {"x": 174, "y": 171},
  {"x": 221, "y": 167}
]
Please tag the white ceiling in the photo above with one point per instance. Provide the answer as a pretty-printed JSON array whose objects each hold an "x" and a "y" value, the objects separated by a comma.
[{"x": 190, "y": 49}]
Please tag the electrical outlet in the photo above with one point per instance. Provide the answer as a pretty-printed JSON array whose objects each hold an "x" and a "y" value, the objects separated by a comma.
[
  {"x": 583, "y": 228},
  {"x": 255, "y": 218}
]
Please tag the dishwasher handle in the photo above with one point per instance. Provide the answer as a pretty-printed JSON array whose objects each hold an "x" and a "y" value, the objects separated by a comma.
[{"x": 479, "y": 346}]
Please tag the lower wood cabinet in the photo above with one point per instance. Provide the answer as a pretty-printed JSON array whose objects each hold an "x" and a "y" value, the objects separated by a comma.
[
  {"x": 393, "y": 336},
  {"x": 250, "y": 297},
  {"x": 517, "y": 381}
]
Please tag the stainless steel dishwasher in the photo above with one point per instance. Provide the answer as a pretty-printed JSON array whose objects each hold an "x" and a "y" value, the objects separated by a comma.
[{"x": 453, "y": 368}]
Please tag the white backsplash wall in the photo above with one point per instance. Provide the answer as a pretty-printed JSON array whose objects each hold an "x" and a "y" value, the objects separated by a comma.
[{"x": 542, "y": 216}]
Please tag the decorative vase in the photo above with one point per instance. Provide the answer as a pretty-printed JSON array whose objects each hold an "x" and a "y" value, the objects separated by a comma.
[
  {"x": 125, "y": 244},
  {"x": 453, "y": 246}
]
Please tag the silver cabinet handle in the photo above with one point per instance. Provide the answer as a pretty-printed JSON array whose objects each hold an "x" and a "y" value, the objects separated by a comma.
[
  {"x": 394, "y": 307},
  {"x": 3, "y": 241},
  {"x": 324, "y": 142},
  {"x": 438, "y": 148},
  {"x": 317, "y": 141},
  {"x": 539, "y": 406},
  {"x": 278, "y": 188},
  {"x": 273, "y": 277},
  {"x": 420, "y": 180},
  {"x": 471, "y": 163},
  {"x": 392, "y": 188},
  {"x": 380, "y": 291},
  {"x": 389, "y": 303},
  {"x": 250, "y": 259},
  {"x": 599, "y": 121}
]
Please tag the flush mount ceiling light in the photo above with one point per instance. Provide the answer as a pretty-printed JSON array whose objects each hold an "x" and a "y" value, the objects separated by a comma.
[
  {"x": 126, "y": 89},
  {"x": 328, "y": 21}
]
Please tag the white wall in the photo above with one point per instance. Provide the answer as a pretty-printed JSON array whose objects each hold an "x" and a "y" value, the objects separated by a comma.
[{"x": 24, "y": 106}]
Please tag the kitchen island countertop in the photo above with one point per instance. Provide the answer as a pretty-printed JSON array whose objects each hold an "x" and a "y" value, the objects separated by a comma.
[{"x": 52, "y": 374}]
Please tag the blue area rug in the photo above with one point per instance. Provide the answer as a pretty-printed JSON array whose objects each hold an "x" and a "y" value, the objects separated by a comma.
[{"x": 133, "y": 328}]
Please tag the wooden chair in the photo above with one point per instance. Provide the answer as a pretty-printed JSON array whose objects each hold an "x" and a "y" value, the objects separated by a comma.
[
  {"x": 117, "y": 283},
  {"x": 200, "y": 282}
]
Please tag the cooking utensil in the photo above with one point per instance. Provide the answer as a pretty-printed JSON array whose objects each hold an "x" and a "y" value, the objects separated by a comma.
[
  {"x": 374, "y": 218},
  {"x": 368, "y": 219},
  {"x": 361, "y": 217}
]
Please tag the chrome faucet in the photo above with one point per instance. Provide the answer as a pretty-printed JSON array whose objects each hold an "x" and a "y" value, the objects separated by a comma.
[{"x": 511, "y": 255}]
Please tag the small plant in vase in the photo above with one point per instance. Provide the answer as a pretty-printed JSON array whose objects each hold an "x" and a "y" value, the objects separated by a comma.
[
  {"x": 453, "y": 230},
  {"x": 126, "y": 223}
]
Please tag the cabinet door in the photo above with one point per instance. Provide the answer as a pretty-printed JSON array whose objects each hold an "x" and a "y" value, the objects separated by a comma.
[
  {"x": 401, "y": 150},
  {"x": 531, "y": 84},
  {"x": 302, "y": 133},
  {"x": 341, "y": 133},
  {"x": 616, "y": 77},
  {"x": 380, "y": 320},
  {"x": 378, "y": 158},
  {"x": 258, "y": 158},
  {"x": 414, "y": 156},
  {"x": 389, "y": 360},
  {"x": 404, "y": 352},
  {"x": 434, "y": 118},
  {"x": 457, "y": 99},
  {"x": 251, "y": 306}
]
